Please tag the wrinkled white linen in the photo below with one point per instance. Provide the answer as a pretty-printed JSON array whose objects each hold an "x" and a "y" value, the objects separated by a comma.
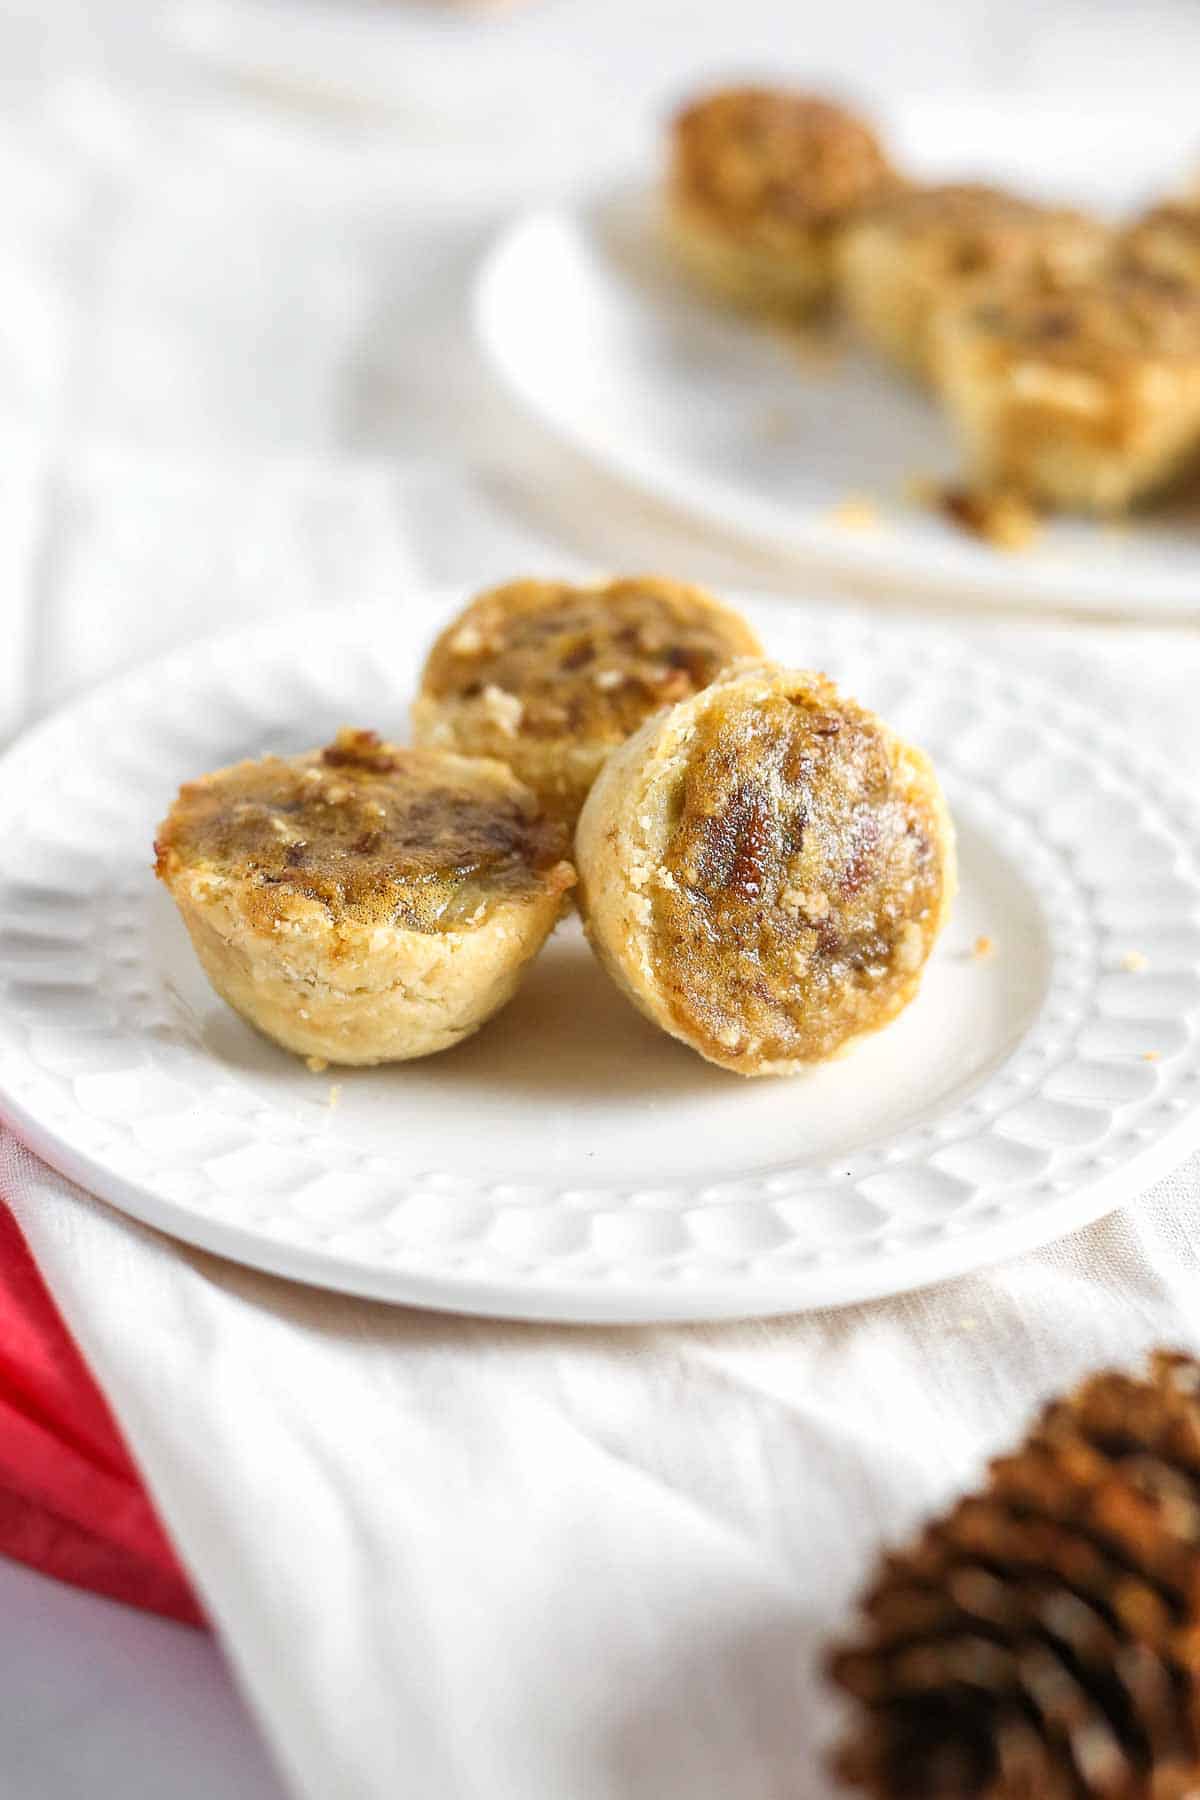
[
  {"x": 452, "y": 1559},
  {"x": 501, "y": 1562}
]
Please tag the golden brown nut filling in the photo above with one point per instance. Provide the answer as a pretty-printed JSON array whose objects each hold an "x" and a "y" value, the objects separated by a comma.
[
  {"x": 376, "y": 833},
  {"x": 1108, "y": 325},
  {"x": 586, "y": 663},
  {"x": 1166, "y": 242},
  {"x": 968, "y": 229},
  {"x": 770, "y": 164},
  {"x": 803, "y": 883}
]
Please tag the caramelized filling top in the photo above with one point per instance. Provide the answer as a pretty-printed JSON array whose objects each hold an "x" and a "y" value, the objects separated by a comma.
[
  {"x": 802, "y": 884},
  {"x": 1101, "y": 324},
  {"x": 968, "y": 229},
  {"x": 1167, "y": 242},
  {"x": 376, "y": 833},
  {"x": 586, "y": 662},
  {"x": 755, "y": 157}
]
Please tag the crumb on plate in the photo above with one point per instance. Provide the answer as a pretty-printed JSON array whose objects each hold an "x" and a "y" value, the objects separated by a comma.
[
  {"x": 1002, "y": 519},
  {"x": 857, "y": 512}
]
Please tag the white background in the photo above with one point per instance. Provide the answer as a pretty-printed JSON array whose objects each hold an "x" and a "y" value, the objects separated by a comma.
[{"x": 234, "y": 243}]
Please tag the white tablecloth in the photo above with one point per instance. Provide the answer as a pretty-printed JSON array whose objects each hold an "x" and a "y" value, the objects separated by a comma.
[{"x": 448, "y": 1559}]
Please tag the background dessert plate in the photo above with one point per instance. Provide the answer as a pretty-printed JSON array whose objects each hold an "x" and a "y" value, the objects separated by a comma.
[
  {"x": 571, "y": 1162},
  {"x": 807, "y": 446}
]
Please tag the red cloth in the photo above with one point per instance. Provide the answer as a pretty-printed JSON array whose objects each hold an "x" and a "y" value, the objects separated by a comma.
[{"x": 71, "y": 1501}]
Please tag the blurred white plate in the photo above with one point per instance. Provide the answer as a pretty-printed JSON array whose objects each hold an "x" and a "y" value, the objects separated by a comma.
[
  {"x": 587, "y": 321},
  {"x": 571, "y": 1162}
]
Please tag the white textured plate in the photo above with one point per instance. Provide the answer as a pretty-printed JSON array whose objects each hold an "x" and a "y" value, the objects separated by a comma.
[
  {"x": 585, "y": 318},
  {"x": 571, "y": 1162}
]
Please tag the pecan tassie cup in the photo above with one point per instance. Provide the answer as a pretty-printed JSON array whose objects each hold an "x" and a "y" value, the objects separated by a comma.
[
  {"x": 904, "y": 259},
  {"x": 764, "y": 870},
  {"x": 364, "y": 903},
  {"x": 760, "y": 182},
  {"x": 550, "y": 677}
]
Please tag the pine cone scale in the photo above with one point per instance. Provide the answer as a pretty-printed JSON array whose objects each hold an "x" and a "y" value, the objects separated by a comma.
[{"x": 1043, "y": 1637}]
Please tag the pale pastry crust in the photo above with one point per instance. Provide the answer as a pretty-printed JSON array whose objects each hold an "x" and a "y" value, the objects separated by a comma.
[
  {"x": 761, "y": 179},
  {"x": 550, "y": 677},
  {"x": 764, "y": 870},
  {"x": 777, "y": 284},
  {"x": 1084, "y": 397},
  {"x": 365, "y": 903},
  {"x": 900, "y": 261}
]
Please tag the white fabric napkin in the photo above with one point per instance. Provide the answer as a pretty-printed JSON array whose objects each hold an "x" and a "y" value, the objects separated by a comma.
[{"x": 473, "y": 1561}]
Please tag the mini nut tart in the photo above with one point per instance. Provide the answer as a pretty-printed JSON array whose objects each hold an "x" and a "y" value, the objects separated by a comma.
[
  {"x": 364, "y": 903},
  {"x": 903, "y": 259},
  {"x": 550, "y": 677},
  {"x": 1085, "y": 397},
  {"x": 760, "y": 181},
  {"x": 764, "y": 870}
]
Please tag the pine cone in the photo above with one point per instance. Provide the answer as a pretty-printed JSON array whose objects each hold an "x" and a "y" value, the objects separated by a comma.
[{"x": 1042, "y": 1640}]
